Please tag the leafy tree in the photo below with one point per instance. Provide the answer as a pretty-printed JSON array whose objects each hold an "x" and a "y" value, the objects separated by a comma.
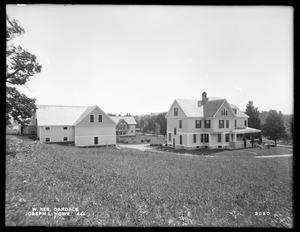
[
  {"x": 149, "y": 124},
  {"x": 157, "y": 128},
  {"x": 274, "y": 128},
  {"x": 254, "y": 117},
  {"x": 122, "y": 127},
  {"x": 20, "y": 66},
  {"x": 162, "y": 121},
  {"x": 141, "y": 123}
]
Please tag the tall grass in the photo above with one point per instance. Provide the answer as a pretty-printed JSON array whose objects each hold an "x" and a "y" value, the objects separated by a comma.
[{"x": 132, "y": 188}]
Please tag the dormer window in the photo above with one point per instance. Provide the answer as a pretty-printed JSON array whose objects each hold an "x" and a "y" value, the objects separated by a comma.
[
  {"x": 234, "y": 110},
  {"x": 175, "y": 111},
  {"x": 92, "y": 118}
]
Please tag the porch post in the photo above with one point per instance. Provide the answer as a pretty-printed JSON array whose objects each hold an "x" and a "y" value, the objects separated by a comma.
[{"x": 234, "y": 137}]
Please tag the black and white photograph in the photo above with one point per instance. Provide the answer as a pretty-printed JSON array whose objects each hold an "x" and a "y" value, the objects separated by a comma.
[{"x": 149, "y": 116}]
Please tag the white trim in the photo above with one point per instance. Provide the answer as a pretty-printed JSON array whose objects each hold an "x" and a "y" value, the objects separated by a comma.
[
  {"x": 187, "y": 139},
  {"x": 82, "y": 136}
]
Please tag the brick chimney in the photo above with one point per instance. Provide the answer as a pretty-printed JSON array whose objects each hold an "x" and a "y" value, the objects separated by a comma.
[{"x": 204, "y": 98}]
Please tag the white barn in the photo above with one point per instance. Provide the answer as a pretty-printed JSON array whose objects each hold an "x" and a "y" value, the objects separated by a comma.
[{"x": 85, "y": 126}]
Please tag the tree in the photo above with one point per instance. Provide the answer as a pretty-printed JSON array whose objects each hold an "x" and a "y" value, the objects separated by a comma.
[
  {"x": 149, "y": 125},
  {"x": 274, "y": 128},
  {"x": 157, "y": 128},
  {"x": 20, "y": 66},
  {"x": 162, "y": 121},
  {"x": 122, "y": 127},
  {"x": 254, "y": 117}
]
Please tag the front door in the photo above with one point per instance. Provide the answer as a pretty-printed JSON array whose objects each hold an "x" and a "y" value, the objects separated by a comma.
[{"x": 173, "y": 142}]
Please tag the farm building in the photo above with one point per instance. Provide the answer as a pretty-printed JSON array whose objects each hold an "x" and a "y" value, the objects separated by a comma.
[
  {"x": 125, "y": 125},
  {"x": 85, "y": 126},
  {"x": 212, "y": 123}
]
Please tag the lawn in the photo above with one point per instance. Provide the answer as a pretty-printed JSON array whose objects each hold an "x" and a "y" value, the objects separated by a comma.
[
  {"x": 112, "y": 187},
  {"x": 255, "y": 151},
  {"x": 140, "y": 139}
]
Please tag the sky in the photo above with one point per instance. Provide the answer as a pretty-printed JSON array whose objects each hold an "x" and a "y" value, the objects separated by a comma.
[{"x": 137, "y": 59}]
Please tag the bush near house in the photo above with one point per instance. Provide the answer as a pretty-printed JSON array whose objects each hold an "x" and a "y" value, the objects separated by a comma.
[{"x": 114, "y": 187}]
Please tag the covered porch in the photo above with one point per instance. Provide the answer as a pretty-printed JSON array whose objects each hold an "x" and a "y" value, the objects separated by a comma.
[{"x": 245, "y": 137}]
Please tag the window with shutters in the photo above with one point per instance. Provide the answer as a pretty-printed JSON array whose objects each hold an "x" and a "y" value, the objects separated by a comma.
[{"x": 198, "y": 123}]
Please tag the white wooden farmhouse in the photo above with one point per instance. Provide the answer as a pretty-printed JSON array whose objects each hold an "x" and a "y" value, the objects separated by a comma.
[{"x": 210, "y": 122}]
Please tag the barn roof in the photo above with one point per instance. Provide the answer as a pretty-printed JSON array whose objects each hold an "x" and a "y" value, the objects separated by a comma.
[{"x": 54, "y": 115}]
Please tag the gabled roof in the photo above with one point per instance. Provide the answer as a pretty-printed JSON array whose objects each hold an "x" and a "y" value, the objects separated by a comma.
[
  {"x": 196, "y": 108},
  {"x": 128, "y": 119},
  {"x": 211, "y": 107},
  {"x": 51, "y": 115},
  {"x": 84, "y": 114},
  {"x": 190, "y": 107},
  {"x": 88, "y": 111}
]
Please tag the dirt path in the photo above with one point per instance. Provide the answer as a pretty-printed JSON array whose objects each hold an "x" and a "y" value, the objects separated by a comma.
[{"x": 272, "y": 156}]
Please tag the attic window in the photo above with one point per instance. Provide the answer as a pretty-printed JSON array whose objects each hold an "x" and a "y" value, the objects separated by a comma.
[
  {"x": 175, "y": 111},
  {"x": 92, "y": 118},
  {"x": 99, "y": 118},
  {"x": 47, "y": 128},
  {"x": 65, "y": 128},
  {"x": 224, "y": 112},
  {"x": 234, "y": 110}
]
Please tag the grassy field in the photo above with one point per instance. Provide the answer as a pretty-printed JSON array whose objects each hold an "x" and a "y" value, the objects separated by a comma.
[{"x": 114, "y": 187}]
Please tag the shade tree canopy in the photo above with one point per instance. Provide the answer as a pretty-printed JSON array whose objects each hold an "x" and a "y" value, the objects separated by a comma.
[{"x": 20, "y": 66}]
